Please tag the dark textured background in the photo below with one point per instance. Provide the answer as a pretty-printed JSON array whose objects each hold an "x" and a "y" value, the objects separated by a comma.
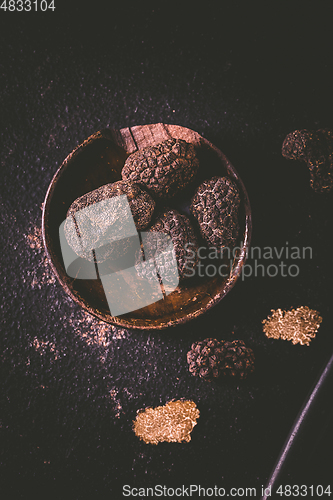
[{"x": 243, "y": 77}]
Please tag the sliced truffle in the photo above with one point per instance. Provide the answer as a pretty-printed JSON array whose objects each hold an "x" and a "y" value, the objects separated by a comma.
[
  {"x": 172, "y": 422},
  {"x": 297, "y": 325}
]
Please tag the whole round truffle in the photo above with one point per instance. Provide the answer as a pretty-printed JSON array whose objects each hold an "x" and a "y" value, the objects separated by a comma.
[
  {"x": 96, "y": 228},
  {"x": 215, "y": 206},
  {"x": 178, "y": 227},
  {"x": 164, "y": 169}
]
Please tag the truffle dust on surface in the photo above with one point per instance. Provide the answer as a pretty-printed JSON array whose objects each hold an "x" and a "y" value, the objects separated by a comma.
[
  {"x": 41, "y": 273},
  {"x": 94, "y": 332}
]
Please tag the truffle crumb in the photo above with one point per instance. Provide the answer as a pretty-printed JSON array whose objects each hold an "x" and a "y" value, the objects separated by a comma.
[
  {"x": 298, "y": 325},
  {"x": 41, "y": 273},
  {"x": 35, "y": 238},
  {"x": 172, "y": 422},
  {"x": 44, "y": 347}
]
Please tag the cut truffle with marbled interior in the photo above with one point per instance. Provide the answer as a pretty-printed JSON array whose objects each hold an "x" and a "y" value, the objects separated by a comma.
[
  {"x": 297, "y": 325},
  {"x": 215, "y": 206},
  {"x": 164, "y": 169},
  {"x": 172, "y": 422}
]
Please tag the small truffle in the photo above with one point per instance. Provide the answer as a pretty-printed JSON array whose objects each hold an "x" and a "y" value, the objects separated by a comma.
[
  {"x": 215, "y": 206},
  {"x": 205, "y": 358},
  {"x": 164, "y": 169},
  {"x": 172, "y": 422},
  {"x": 178, "y": 227},
  {"x": 315, "y": 148},
  {"x": 93, "y": 222},
  {"x": 211, "y": 358},
  {"x": 298, "y": 325},
  {"x": 238, "y": 360}
]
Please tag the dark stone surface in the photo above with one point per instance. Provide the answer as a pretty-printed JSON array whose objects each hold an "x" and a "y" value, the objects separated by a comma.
[{"x": 244, "y": 85}]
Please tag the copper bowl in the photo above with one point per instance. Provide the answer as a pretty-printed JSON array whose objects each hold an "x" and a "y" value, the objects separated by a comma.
[{"x": 98, "y": 161}]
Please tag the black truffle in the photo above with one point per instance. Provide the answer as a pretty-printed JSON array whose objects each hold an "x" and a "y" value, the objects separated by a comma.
[
  {"x": 238, "y": 360},
  {"x": 211, "y": 358},
  {"x": 91, "y": 229},
  {"x": 178, "y": 227},
  {"x": 205, "y": 358},
  {"x": 164, "y": 169},
  {"x": 215, "y": 206},
  {"x": 316, "y": 149}
]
